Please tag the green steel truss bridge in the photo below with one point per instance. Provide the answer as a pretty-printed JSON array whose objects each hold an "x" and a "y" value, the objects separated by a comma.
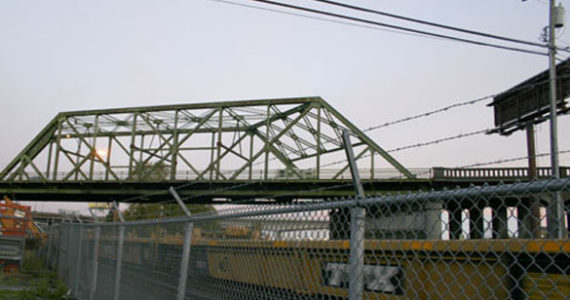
[{"x": 258, "y": 150}]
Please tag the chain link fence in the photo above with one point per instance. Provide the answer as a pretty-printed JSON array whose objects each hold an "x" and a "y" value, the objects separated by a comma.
[{"x": 487, "y": 242}]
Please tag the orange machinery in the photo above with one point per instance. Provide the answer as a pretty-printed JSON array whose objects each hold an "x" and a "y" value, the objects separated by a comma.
[{"x": 16, "y": 225}]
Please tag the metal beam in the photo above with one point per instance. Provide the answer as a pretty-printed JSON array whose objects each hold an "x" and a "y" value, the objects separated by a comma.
[
  {"x": 298, "y": 131},
  {"x": 368, "y": 141}
]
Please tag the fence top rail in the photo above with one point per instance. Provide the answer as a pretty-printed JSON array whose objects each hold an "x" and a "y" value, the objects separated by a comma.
[
  {"x": 539, "y": 186},
  {"x": 472, "y": 245}
]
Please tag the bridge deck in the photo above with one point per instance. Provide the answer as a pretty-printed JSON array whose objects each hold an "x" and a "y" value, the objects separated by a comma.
[{"x": 258, "y": 191}]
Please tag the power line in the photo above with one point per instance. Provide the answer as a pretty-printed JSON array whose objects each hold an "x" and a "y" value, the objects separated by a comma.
[
  {"x": 321, "y": 19},
  {"x": 401, "y": 28},
  {"x": 438, "y": 25}
]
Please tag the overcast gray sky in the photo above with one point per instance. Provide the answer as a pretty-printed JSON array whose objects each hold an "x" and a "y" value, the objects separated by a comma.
[{"x": 72, "y": 55}]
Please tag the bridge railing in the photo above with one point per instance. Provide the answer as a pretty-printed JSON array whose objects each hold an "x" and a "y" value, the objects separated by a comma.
[
  {"x": 482, "y": 242},
  {"x": 436, "y": 173},
  {"x": 256, "y": 174},
  {"x": 494, "y": 173}
]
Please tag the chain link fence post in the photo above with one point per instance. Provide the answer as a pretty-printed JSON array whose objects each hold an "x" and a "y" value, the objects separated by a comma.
[
  {"x": 64, "y": 252},
  {"x": 357, "y": 216},
  {"x": 95, "y": 263},
  {"x": 48, "y": 255},
  {"x": 394, "y": 246},
  {"x": 555, "y": 217},
  {"x": 117, "y": 286},
  {"x": 433, "y": 222},
  {"x": 78, "y": 260},
  {"x": 70, "y": 257},
  {"x": 184, "y": 262},
  {"x": 357, "y": 221},
  {"x": 185, "y": 248}
]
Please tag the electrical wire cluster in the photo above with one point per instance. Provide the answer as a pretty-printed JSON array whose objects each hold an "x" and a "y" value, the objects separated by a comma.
[
  {"x": 483, "y": 38},
  {"x": 500, "y": 42}
]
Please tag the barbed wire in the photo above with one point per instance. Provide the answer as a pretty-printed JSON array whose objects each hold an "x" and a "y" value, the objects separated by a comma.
[
  {"x": 340, "y": 185},
  {"x": 252, "y": 200},
  {"x": 493, "y": 162},
  {"x": 406, "y": 119},
  {"x": 418, "y": 145},
  {"x": 429, "y": 113},
  {"x": 511, "y": 159},
  {"x": 440, "y": 140}
]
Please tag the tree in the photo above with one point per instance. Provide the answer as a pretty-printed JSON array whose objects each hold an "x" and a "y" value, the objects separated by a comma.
[
  {"x": 157, "y": 171},
  {"x": 140, "y": 211},
  {"x": 150, "y": 171}
]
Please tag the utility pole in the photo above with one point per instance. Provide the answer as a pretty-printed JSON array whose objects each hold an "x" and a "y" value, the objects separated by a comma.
[{"x": 556, "y": 229}]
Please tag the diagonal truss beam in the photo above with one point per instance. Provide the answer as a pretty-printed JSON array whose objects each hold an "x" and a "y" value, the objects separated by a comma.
[
  {"x": 359, "y": 134},
  {"x": 300, "y": 133}
]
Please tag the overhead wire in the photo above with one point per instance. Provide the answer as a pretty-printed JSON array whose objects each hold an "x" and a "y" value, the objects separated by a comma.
[
  {"x": 321, "y": 18},
  {"x": 428, "y": 23},
  {"x": 383, "y": 24},
  {"x": 396, "y": 27}
]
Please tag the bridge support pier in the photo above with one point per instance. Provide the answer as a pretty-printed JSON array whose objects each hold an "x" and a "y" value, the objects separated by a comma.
[
  {"x": 433, "y": 220},
  {"x": 499, "y": 222},
  {"x": 455, "y": 221},
  {"x": 339, "y": 226},
  {"x": 476, "y": 222},
  {"x": 568, "y": 216},
  {"x": 529, "y": 218}
]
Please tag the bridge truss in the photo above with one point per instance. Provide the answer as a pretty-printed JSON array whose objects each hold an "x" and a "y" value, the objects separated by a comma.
[{"x": 250, "y": 140}]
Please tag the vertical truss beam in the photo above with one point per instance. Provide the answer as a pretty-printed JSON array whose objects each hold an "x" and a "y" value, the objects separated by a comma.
[
  {"x": 293, "y": 140},
  {"x": 289, "y": 165}
]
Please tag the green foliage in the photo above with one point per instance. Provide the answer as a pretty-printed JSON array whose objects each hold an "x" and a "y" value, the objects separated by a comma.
[
  {"x": 43, "y": 288},
  {"x": 150, "y": 172},
  {"x": 34, "y": 281},
  {"x": 156, "y": 172},
  {"x": 159, "y": 211},
  {"x": 32, "y": 261}
]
